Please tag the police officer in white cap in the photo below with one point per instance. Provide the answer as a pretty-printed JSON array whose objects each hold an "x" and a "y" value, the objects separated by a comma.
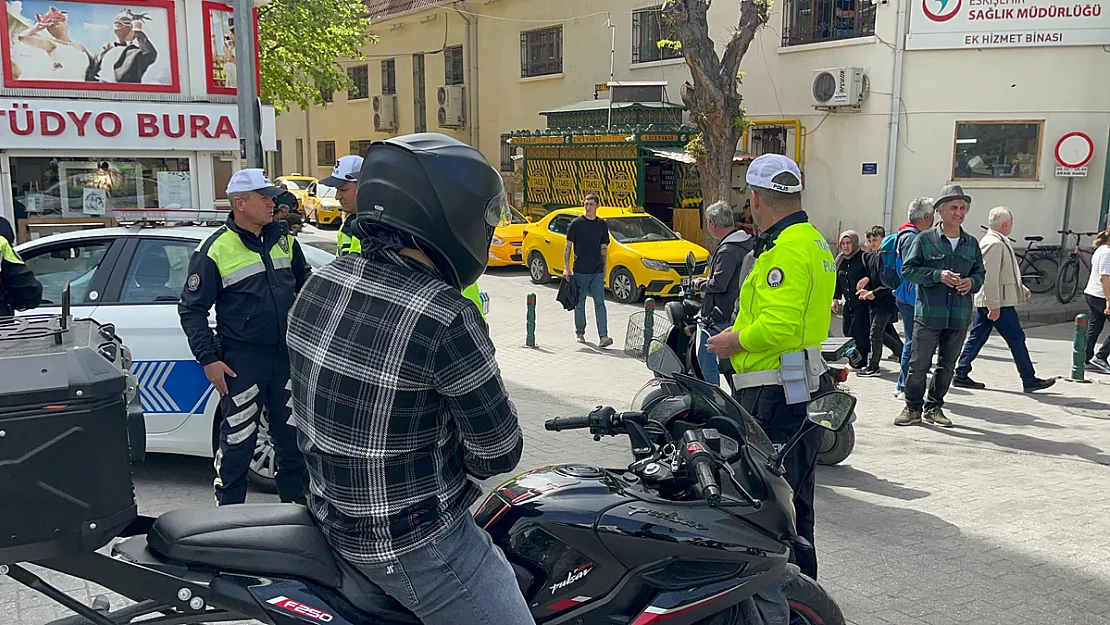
[
  {"x": 249, "y": 269},
  {"x": 345, "y": 180}
]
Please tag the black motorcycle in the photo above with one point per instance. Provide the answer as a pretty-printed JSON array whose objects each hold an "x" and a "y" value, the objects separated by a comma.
[
  {"x": 689, "y": 532},
  {"x": 687, "y": 321}
]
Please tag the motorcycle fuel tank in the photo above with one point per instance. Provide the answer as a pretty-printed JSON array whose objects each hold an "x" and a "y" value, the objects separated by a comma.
[{"x": 544, "y": 522}]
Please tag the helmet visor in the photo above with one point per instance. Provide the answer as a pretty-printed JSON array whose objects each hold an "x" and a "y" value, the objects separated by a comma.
[{"x": 497, "y": 209}]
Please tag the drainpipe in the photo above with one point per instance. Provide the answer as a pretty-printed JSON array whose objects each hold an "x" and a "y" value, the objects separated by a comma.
[
  {"x": 309, "y": 166},
  {"x": 1102, "y": 213},
  {"x": 895, "y": 103},
  {"x": 468, "y": 52}
]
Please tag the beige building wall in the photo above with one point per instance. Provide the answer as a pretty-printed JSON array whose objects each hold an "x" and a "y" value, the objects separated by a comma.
[{"x": 939, "y": 88}]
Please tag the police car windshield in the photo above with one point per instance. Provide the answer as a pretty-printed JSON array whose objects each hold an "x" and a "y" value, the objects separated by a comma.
[{"x": 639, "y": 229}]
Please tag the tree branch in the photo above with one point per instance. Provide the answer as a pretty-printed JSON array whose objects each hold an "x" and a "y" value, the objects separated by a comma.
[{"x": 745, "y": 34}]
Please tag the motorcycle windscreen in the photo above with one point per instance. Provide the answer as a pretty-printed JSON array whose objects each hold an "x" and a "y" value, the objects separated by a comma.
[
  {"x": 662, "y": 360},
  {"x": 712, "y": 401}
]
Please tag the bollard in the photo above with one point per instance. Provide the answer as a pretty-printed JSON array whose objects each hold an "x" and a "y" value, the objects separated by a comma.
[
  {"x": 530, "y": 340},
  {"x": 1079, "y": 348},
  {"x": 649, "y": 325}
]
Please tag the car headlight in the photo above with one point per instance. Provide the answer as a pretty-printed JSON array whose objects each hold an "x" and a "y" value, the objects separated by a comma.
[
  {"x": 656, "y": 265},
  {"x": 496, "y": 241}
]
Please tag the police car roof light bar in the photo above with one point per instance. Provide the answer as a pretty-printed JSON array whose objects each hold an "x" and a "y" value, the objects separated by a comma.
[{"x": 144, "y": 217}]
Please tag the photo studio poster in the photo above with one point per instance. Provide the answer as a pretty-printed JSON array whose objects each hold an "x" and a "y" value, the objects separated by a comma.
[
  {"x": 103, "y": 45},
  {"x": 219, "y": 51}
]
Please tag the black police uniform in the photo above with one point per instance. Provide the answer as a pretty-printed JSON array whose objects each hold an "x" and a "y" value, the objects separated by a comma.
[
  {"x": 19, "y": 288},
  {"x": 252, "y": 282}
]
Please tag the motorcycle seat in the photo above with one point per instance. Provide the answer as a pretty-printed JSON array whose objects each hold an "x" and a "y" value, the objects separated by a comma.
[{"x": 267, "y": 539}]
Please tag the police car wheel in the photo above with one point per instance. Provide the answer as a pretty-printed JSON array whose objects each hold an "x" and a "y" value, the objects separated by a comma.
[
  {"x": 623, "y": 286},
  {"x": 263, "y": 466}
]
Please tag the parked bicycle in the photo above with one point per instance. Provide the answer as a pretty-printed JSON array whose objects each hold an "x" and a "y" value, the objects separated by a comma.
[
  {"x": 1067, "y": 281},
  {"x": 1038, "y": 264}
]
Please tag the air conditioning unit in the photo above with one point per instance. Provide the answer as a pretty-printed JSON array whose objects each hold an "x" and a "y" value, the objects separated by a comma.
[
  {"x": 452, "y": 106},
  {"x": 385, "y": 112},
  {"x": 838, "y": 88}
]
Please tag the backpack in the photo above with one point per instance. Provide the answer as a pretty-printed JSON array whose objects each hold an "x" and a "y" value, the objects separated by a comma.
[{"x": 889, "y": 261}]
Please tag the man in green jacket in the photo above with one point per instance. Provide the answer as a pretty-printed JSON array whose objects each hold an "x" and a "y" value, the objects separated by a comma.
[{"x": 946, "y": 265}]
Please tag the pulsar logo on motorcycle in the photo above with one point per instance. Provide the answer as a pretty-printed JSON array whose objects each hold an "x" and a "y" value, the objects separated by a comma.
[
  {"x": 572, "y": 577},
  {"x": 301, "y": 609},
  {"x": 666, "y": 516}
]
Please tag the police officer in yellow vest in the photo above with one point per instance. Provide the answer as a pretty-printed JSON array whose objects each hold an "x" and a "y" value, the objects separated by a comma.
[
  {"x": 345, "y": 180},
  {"x": 19, "y": 288},
  {"x": 782, "y": 318},
  {"x": 249, "y": 269}
]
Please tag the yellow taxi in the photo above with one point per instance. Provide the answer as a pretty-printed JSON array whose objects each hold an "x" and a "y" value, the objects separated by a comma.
[
  {"x": 296, "y": 184},
  {"x": 320, "y": 205},
  {"x": 504, "y": 248},
  {"x": 645, "y": 256}
]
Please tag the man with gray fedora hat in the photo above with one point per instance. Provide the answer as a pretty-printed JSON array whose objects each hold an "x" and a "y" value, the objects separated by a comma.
[{"x": 946, "y": 265}]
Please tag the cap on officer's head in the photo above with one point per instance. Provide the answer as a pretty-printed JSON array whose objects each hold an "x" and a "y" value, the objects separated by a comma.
[
  {"x": 346, "y": 170},
  {"x": 764, "y": 169},
  {"x": 255, "y": 180}
]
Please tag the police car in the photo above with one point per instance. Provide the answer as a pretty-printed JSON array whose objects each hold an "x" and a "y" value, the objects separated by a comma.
[{"x": 132, "y": 277}]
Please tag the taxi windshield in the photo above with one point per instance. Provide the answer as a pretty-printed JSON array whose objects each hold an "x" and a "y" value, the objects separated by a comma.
[{"x": 639, "y": 229}]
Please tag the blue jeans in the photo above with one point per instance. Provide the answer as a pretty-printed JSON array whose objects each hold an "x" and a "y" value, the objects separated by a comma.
[
  {"x": 906, "y": 311},
  {"x": 592, "y": 284},
  {"x": 1009, "y": 326},
  {"x": 460, "y": 577},
  {"x": 710, "y": 370}
]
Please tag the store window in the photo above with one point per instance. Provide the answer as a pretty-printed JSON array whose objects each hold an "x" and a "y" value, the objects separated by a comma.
[
  {"x": 90, "y": 187},
  {"x": 389, "y": 77},
  {"x": 325, "y": 153},
  {"x": 453, "y": 65},
  {"x": 360, "y": 79},
  {"x": 648, "y": 29},
  {"x": 814, "y": 21},
  {"x": 997, "y": 150},
  {"x": 541, "y": 52}
]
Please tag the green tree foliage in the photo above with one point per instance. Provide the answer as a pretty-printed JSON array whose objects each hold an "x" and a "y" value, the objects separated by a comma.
[{"x": 300, "y": 42}]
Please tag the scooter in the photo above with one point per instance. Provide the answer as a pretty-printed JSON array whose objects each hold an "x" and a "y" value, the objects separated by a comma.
[
  {"x": 687, "y": 321},
  {"x": 699, "y": 522}
]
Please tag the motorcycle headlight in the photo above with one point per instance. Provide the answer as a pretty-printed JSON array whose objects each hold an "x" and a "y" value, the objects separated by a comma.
[
  {"x": 496, "y": 241},
  {"x": 656, "y": 265}
]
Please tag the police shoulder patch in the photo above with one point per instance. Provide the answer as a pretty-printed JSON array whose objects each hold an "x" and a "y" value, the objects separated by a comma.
[
  {"x": 283, "y": 243},
  {"x": 775, "y": 277},
  {"x": 194, "y": 282}
]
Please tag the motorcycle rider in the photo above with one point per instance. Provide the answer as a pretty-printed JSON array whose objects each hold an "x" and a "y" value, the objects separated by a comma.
[
  {"x": 722, "y": 286},
  {"x": 344, "y": 178},
  {"x": 19, "y": 288},
  {"x": 396, "y": 392},
  {"x": 783, "y": 316}
]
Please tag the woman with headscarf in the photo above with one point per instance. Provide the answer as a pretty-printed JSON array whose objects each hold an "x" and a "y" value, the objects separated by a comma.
[{"x": 850, "y": 269}]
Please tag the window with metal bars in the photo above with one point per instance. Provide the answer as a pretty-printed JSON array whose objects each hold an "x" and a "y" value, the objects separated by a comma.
[
  {"x": 358, "y": 148},
  {"x": 541, "y": 52},
  {"x": 389, "y": 77},
  {"x": 325, "y": 153},
  {"x": 453, "y": 65},
  {"x": 506, "y": 153},
  {"x": 648, "y": 28},
  {"x": 814, "y": 21},
  {"x": 360, "y": 76}
]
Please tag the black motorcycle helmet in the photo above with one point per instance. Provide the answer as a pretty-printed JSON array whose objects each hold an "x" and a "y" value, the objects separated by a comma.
[
  {"x": 286, "y": 199},
  {"x": 439, "y": 191}
]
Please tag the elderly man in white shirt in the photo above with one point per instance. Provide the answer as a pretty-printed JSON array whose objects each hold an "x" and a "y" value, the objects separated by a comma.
[{"x": 996, "y": 306}]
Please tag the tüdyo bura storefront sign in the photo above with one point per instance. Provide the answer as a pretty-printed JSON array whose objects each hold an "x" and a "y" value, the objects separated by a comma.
[
  {"x": 68, "y": 124},
  {"x": 962, "y": 24}
]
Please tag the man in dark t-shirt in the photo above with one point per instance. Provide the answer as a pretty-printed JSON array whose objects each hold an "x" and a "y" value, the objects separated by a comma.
[{"x": 588, "y": 235}]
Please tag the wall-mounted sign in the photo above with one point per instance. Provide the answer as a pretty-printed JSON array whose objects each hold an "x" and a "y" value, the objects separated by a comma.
[
  {"x": 566, "y": 182},
  {"x": 870, "y": 169},
  {"x": 84, "y": 124},
  {"x": 536, "y": 140},
  {"x": 659, "y": 138},
  {"x": 954, "y": 24},
  {"x": 601, "y": 138},
  {"x": 100, "y": 45}
]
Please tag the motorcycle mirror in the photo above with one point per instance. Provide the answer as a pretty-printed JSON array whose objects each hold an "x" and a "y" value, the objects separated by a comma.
[
  {"x": 831, "y": 410},
  {"x": 717, "y": 316},
  {"x": 691, "y": 263}
]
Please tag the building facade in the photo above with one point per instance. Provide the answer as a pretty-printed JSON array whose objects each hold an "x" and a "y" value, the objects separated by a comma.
[
  {"x": 979, "y": 92},
  {"x": 112, "y": 107}
]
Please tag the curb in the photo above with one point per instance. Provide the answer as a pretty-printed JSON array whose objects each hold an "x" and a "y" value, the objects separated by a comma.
[{"x": 1054, "y": 314}]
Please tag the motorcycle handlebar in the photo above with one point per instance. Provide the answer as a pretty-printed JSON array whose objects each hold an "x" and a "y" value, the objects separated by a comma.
[
  {"x": 576, "y": 422},
  {"x": 703, "y": 471}
]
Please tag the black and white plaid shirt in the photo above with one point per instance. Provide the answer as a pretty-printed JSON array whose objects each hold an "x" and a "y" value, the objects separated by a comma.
[{"x": 397, "y": 398}]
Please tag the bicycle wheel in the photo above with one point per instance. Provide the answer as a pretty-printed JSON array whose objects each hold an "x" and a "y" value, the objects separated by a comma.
[
  {"x": 1040, "y": 273},
  {"x": 1067, "y": 281}
]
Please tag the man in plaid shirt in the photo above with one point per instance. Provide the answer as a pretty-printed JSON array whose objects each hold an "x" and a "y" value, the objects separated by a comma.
[
  {"x": 396, "y": 393},
  {"x": 946, "y": 265}
]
